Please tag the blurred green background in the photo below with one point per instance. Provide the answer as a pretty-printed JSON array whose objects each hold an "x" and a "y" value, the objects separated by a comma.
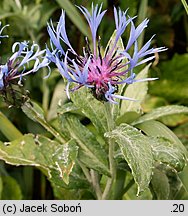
[{"x": 28, "y": 21}]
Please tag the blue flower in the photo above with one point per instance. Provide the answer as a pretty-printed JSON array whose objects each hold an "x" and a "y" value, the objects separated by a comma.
[
  {"x": 17, "y": 64},
  {"x": 102, "y": 74}
]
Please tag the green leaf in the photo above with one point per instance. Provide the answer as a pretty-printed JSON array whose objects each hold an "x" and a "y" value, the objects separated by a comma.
[
  {"x": 173, "y": 85},
  {"x": 174, "y": 120},
  {"x": 78, "y": 184},
  {"x": 128, "y": 118},
  {"x": 58, "y": 95},
  {"x": 8, "y": 129},
  {"x": 78, "y": 179},
  {"x": 162, "y": 112},
  {"x": 91, "y": 152},
  {"x": 165, "y": 151},
  {"x": 182, "y": 194},
  {"x": 11, "y": 189},
  {"x": 182, "y": 133},
  {"x": 55, "y": 160},
  {"x": 137, "y": 152},
  {"x": 36, "y": 113},
  {"x": 157, "y": 129},
  {"x": 175, "y": 184},
  {"x": 160, "y": 184},
  {"x": 33, "y": 111},
  {"x": 64, "y": 158},
  {"x": 74, "y": 16},
  {"x": 91, "y": 108},
  {"x": 66, "y": 108},
  {"x": 136, "y": 91},
  {"x": 166, "y": 147},
  {"x": 183, "y": 178}
]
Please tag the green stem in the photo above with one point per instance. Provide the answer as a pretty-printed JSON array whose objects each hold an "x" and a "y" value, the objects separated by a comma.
[
  {"x": 108, "y": 188},
  {"x": 8, "y": 129},
  {"x": 109, "y": 116},
  {"x": 111, "y": 143},
  {"x": 95, "y": 183}
]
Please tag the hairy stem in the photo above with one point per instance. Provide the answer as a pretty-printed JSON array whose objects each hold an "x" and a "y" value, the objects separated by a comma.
[{"x": 111, "y": 143}]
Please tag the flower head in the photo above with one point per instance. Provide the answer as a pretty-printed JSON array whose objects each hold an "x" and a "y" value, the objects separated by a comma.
[
  {"x": 101, "y": 73},
  {"x": 16, "y": 66}
]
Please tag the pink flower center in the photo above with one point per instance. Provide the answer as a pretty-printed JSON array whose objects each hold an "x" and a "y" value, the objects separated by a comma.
[{"x": 99, "y": 72}]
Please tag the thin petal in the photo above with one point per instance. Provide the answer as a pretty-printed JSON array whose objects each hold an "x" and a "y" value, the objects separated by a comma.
[
  {"x": 135, "y": 33},
  {"x": 121, "y": 22},
  {"x": 94, "y": 20}
]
